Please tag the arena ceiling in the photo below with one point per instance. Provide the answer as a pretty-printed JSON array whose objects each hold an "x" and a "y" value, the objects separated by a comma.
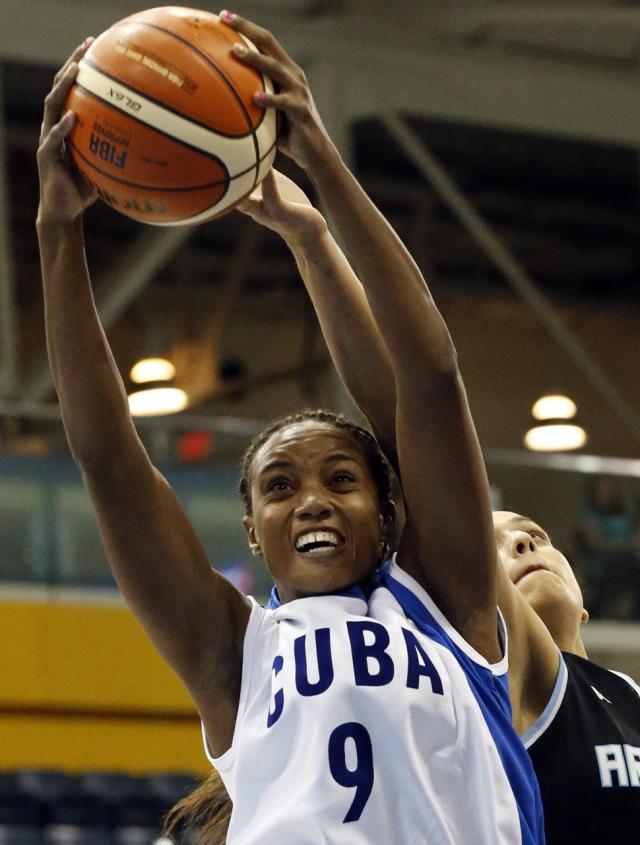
[{"x": 530, "y": 110}]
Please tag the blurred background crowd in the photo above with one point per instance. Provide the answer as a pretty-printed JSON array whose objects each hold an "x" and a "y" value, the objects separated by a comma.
[{"x": 607, "y": 542}]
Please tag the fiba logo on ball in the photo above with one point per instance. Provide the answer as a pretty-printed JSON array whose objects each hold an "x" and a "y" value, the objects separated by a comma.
[{"x": 167, "y": 129}]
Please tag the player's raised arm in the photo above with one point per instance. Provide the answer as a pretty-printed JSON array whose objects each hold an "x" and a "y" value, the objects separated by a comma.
[
  {"x": 443, "y": 474},
  {"x": 356, "y": 346},
  {"x": 195, "y": 618}
]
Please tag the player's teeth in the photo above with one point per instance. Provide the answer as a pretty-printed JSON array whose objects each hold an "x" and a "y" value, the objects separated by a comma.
[{"x": 325, "y": 537}]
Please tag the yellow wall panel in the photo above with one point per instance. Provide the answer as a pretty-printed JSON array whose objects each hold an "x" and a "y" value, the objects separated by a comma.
[
  {"x": 81, "y": 687},
  {"x": 22, "y": 671},
  {"x": 100, "y": 656},
  {"x": 82, "y": 744}
]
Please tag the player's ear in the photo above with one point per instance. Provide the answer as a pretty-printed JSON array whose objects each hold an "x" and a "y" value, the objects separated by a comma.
[
  {"x": 585, "y": 616},
  {"x": 254, "y": 543},
  {"x": 388, "y": 519}
]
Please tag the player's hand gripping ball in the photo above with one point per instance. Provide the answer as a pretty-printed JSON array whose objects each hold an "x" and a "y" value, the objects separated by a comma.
[{"x": 167, "y": 129}]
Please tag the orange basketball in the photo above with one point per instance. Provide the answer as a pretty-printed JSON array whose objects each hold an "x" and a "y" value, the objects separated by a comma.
[{"x": 166, "y": 127}]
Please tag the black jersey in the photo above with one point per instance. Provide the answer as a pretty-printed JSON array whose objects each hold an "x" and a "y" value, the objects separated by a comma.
[{"x": 585, "y": 749}]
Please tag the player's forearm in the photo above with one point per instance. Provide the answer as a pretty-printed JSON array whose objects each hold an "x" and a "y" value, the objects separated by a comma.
[
  {"x": 413, "y": 329},
  {"x": 92, "y": 397},
  {"x": 434, "y": 430},
  {"x": 357, "y": 349}
]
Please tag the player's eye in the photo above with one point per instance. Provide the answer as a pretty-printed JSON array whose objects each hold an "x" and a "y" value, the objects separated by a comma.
[
  {"x": 279, "y": 485},
  {"x": 343, "y": 477}
]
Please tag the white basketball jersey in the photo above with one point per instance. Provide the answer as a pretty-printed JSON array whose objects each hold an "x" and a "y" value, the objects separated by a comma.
[{"x": 357, "y": 724}]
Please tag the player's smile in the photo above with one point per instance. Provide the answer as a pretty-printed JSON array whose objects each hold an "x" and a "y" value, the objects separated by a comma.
[{"x": 319, "y": 542}]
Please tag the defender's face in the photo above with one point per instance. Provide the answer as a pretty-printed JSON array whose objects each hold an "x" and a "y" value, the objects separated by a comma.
[
  {"x": 540, "y": 571},
  {"x": 316, "y": 515}
]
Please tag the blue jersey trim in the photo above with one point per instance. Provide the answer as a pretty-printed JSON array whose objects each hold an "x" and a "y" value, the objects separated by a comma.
[
  {"x": 492, "y": 694},
  {"x": 274, "y": 599}
]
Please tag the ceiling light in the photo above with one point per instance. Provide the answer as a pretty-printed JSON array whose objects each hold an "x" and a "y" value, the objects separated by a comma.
[
  {"x": 155, "y": 400},
  {"x": 554, "y": 406},
  {"x": 156, "y": 395},
  {"x": 152, "y": 369},
  {"x": 554, "y": 436}
]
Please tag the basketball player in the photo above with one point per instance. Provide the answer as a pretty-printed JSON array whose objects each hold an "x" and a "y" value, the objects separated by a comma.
[
  {"x": 585, "y": 744},
  {"x": 335, "y": 714},
  {"x": 598, "y": 760}
]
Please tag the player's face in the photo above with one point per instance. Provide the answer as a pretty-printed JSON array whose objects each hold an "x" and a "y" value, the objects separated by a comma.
[
  {"x": 316, "y": 515},
  {"x": 540, "y": 571}
]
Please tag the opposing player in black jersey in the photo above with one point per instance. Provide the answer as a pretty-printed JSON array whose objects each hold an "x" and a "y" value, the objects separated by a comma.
[
  {"x": 581, "y": 722},
  {"x": 585, "y": 745}
]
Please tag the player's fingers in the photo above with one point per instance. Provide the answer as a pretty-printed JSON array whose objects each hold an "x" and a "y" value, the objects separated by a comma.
[
  {"x": 265, "y": 198},
  {"x": 264, "y": 40},
  {"x": 290, "y": 104},
  {"x": 52, "y": 142},
  {"x": 62, "y": 82},
  {"x": 252, "y": 205},
  {"x": 286, "y": 190},
  {"x": 90, "y": 192},
  {"x": 246, "y": 206},
  {"x": 75, "y": 57},
  {"x": 54, "y": 100},
  {"x": 268, "y": 65},
  {"x": 270, "y": 192}
]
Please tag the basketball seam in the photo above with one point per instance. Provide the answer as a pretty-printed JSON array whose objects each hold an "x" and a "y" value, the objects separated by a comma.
[
  {"x": 185, "y": 220},
  {"x": 156, "y": 102},
  {"x": 224, "y": 78},
  {"x": 154, "y": 128},
  {"x": 226, "y": 181},
  {"x": 217, "y": 69},
  {"x": 262, "y": 158},
  {"x": 209, "y": 61}
]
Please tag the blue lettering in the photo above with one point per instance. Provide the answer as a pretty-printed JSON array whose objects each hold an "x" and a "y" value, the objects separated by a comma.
[
  {"x": 419, "y": 663},
  {"x": 278, "y": 698},
  {"x": 325, "y": 663},
  {"x": 361, "y": 654},
  {"x": 106, "y": 151}
]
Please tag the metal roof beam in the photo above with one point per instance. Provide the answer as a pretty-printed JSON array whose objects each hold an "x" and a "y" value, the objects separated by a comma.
[{"x": 514, "y": 273}]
